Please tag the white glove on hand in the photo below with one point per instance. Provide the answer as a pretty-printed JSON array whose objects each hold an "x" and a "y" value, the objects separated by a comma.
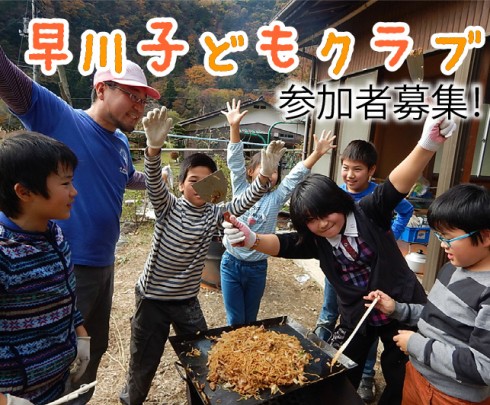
[
  {"x": 238, "y": 233},
  {"x": 156, "y": 125},
  {"x": 270, "y": 158},
  {"x": 436, "y": 132},
  {"x": 11, "y": 400},
  {"x": 83, "y": 357}
]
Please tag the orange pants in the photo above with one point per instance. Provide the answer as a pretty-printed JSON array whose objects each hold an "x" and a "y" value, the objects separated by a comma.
[{"x": 418, "y": 391}]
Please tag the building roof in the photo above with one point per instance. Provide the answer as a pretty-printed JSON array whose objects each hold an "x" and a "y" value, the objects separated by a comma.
[
  {"x": 312, "y": 17},
  {"x": 215, "y": 113}
]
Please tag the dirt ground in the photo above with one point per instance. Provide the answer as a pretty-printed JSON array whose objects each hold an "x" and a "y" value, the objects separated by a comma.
[{"x": 286, "y": 294}]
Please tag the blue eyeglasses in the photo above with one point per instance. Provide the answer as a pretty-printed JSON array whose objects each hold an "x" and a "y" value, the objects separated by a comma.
[
  {"x": 448, "y": 241},
  {"x": 133, "y": 97}
]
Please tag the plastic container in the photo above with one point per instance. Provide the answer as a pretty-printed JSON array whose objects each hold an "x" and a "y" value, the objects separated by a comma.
[
  {"x": 416, "y": 261},
  {"x": 416, "y": 235}
]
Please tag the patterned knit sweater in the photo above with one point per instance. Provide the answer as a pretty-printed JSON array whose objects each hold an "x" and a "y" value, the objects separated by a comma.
[{"x": 38, "y": 315}]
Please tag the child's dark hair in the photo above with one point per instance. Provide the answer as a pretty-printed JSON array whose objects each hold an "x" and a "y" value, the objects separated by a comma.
[
  {"x": 316, "y": 197},
  {"x": 255, "y": 161},
  {"x": 361, "y": 151},
  {"x": 28, "y": 158},
  {"x": 195, "y": 160},
  {"x": 465, "y": 206}
]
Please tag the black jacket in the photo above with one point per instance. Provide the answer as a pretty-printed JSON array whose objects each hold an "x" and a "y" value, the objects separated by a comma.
[{"x": 389, "y": 270}]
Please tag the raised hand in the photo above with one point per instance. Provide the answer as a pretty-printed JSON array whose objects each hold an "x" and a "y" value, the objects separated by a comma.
[
  {"x": 270, "y": 158},
  {"x": 156, "y": 125},
  {"x": 436, "y": 132},
  {"x": 233, "y": 115},
  {"x": 324, "y": 143}
]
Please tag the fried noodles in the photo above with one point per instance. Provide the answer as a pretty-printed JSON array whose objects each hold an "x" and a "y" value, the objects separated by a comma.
[{"x": 251, "y": 358}]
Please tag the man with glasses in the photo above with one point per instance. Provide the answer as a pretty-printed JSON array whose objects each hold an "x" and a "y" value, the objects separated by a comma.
[
  {"x": 105, "y": 170},
  {"x": 133, "y": 97}
]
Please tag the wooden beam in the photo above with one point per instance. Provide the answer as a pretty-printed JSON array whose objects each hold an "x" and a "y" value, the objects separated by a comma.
[{"x": 448, "y": 174}]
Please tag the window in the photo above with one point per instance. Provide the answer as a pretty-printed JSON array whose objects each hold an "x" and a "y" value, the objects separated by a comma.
[{"x": 481, "y": 158}]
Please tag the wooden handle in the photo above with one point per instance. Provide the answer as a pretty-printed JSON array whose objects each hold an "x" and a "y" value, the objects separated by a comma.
[{"x": 346, "y": 343}]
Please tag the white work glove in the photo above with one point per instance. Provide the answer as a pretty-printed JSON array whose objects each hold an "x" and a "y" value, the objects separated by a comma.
[
  {"x": 238, "y": 233},
  {"x": 83, "y": 357},
  {"x": 11, "y": 400},
  {"x": 270, "y": 158},
  {"x": 436, "y": 132},
  {"x": 156, "y": 125}
]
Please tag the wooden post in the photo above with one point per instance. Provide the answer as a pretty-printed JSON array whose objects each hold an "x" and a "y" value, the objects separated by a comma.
[
  {"x": 64, "y": 88},
  {"x": 447, "y": 175}
]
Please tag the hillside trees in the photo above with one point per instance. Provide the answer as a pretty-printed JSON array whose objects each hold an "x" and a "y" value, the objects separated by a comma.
[{"x": 189, "y": 89}]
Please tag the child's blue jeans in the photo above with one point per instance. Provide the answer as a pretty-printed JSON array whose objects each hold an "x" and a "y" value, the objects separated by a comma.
[{"x": 243, "y": 285}]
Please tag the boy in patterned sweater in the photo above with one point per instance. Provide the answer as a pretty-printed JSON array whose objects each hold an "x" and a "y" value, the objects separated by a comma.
[
  {"x": 41, "y": 331},
  {"x": 450, "y": 352}
]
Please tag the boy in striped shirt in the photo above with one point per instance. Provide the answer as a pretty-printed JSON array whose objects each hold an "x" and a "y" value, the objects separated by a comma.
[
  {"x": 166, "y": 291},
  {"x": 450, "y": 352}
]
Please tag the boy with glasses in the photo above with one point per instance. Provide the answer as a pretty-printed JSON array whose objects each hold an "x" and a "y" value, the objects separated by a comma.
[{"x": 450, "y": 352}]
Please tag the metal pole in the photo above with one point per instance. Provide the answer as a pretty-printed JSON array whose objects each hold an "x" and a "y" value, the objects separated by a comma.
[
  {"x": 33, "y": 15},
  {"x": 277, "y": 123}
]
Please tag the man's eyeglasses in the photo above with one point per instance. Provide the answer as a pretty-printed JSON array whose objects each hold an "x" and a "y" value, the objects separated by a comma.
[
  {"x": 133, "y": 97},
  {"x": 447, "y": 242}
]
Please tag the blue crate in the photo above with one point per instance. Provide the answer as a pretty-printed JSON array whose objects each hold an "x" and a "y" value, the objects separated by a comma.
[{"x": 416, "y": 235}]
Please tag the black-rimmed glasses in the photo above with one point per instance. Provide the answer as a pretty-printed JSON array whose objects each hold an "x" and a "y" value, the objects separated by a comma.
[{"x": 133, "y": 97}]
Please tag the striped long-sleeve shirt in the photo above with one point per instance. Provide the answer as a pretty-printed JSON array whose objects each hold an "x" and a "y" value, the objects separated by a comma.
[
  {"x": 38, "y": 315},
  {"x": 182, "y": 236},
  {"x": 452, "y": 346}
]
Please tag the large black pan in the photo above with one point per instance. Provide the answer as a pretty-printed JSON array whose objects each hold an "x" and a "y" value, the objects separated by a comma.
[{"x": 196, "y": 369}]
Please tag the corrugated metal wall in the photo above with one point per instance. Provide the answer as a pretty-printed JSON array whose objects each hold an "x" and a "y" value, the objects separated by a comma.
[{"x": 424, "y": 18}]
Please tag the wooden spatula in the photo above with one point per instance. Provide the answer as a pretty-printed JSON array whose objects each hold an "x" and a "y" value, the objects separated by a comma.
[{"x": 346, "y": 343}]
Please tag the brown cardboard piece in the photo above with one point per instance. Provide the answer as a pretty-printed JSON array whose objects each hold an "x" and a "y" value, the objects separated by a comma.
[{"x": 212, "y": 188}]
